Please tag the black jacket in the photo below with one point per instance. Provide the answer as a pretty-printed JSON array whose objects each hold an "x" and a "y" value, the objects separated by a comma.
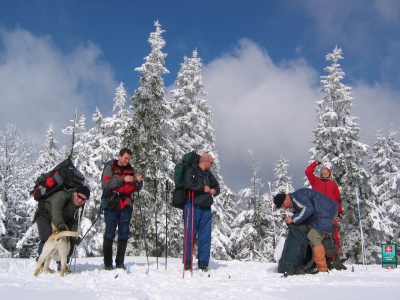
[{"x": 196, "y": 179}]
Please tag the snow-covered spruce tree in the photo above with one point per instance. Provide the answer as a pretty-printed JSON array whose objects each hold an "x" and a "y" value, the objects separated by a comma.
[
  {"x": 337, "y": 135},
  {"x": 251, "y": 236},
  {"x": 148, "y": 137},
  {"x": 384, "y": 166},
  {"x": 380, "y": 165},
  {"x": 393, "y": 206},
  {"x": 282, "y": 184},
  {"x": 105, "y": 141},
  {"x": 82, "y": 157},
  {"x": 193, "y": 130},
  {"x": 47, "y": 159},
  {"x": 16, "y": 165}
]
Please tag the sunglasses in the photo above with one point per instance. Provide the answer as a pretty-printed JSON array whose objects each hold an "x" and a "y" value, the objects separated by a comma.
[{"x": 82, "y": 198}]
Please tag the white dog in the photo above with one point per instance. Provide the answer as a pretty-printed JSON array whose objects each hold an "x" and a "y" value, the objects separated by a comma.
[{"x": 56, "y": 247}]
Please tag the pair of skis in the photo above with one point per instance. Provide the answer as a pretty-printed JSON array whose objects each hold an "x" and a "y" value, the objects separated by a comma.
[{"x": 190, "y": 200}]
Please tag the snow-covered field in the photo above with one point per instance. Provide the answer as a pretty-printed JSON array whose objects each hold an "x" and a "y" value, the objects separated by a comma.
[{"x": 225, "y": 280}]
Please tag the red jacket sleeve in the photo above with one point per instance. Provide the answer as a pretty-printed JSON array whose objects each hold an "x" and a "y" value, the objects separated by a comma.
[{"x": 310, "y": 173}]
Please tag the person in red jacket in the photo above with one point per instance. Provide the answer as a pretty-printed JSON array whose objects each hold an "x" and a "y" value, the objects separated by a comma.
[
  {"x": 119, "y": 181},
  {"x": 329, "y": 188}
]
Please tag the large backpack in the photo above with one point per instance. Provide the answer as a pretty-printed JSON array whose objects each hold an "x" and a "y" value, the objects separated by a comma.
[
  {"x": 179, "y": 193},
  {"x": 64, "y": 175},
  {"x": 109, "y": 199},
  {"x": 298, "y": 253}
]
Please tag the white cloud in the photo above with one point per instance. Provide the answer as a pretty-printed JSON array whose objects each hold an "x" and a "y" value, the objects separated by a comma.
[
  {"x": 270, "y": 109},
  {"x": 39, "y": 84},
  {"x": 377, "y": 107}
]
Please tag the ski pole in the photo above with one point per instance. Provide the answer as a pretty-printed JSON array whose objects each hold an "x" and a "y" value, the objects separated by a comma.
[
  {"x": 186, "y": 236},
  {"x": 73, "y": 258},
  {"x": 144, "y": 233},
  {"x": 272, "y": 213},
  {"x": 166, "y": 223},
  {"x": 192, "y": 245},
  {"x": 361, "y": 230},
  {"x": 155, "y": 201}
]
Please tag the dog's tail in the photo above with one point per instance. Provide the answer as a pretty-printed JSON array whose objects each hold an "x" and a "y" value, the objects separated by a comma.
[{"x": 67, "y": 233}]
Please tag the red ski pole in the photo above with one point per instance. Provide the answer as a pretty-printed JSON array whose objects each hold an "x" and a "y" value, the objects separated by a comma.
[{"x": 186, "y": 237}]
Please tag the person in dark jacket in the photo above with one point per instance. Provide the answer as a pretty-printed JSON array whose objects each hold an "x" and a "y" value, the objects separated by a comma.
[
  {"x": 119, "y": 181},
  {"x": 202, "y": 182},
  {"x": 63, "y": 210},
  {"x": 316, "y": 211}
]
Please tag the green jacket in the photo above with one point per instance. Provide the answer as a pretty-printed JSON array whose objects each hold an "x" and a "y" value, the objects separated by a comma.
[{"x": 62, "y": 209}]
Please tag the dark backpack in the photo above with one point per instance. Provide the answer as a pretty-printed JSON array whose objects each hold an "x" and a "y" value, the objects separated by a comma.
[
  {"x": 179, "y": 193},
  {"x": 64, "y": 175},
  {"x": 298, "y": 253}
]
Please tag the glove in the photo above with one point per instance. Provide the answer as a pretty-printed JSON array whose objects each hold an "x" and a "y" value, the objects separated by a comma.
[
  {"x": 318, "y": 162},
  {"x": 62, "y": 228}
]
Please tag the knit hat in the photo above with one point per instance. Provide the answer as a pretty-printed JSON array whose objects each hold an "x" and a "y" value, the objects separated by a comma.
[
  {"x": 279, "y": 199},
  {"x": 83, "y": 189}
]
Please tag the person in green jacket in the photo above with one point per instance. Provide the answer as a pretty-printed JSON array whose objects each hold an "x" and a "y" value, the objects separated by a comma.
[{"x": 64, "y": 210}]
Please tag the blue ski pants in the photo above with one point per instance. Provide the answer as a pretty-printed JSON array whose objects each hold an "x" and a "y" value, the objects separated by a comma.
[{"x": 201, "y": 229}]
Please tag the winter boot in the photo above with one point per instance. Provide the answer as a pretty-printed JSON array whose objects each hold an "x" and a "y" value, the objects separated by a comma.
[
  {"x": 339, "y": 265},
  {"x": 107, "y": 252},
  {"x": 121, "y": 249},
  {"x": 319, "y": 258}
]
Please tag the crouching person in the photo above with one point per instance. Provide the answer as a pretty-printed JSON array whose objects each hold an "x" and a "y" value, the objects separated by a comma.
[
  {"x": 63, "y": 210},
  {"x": 314, "y": 210}
]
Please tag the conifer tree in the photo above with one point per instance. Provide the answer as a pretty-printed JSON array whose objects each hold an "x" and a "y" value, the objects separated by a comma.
[
  {"x": 148, "y": 135},
  {"x": 16, "y": 161},
  {"x": 384, "y": 167},
  {"x": 251, "y": 236},
  {"x": 193, "y": 130},
  {"x": 282, "y": 184},
  {"x": 380, "y": 165},
  {"x": 336, "y": 135},
  {"x": 48, "y": 158}
]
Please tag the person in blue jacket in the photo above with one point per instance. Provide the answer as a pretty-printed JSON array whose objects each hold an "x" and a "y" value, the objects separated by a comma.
[
  {"x": 316, "y": 211},
  {"x": 199, "y": 179}
]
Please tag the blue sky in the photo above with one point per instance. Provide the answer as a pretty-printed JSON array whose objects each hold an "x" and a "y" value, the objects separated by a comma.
[{"x": 262, "y": 66}]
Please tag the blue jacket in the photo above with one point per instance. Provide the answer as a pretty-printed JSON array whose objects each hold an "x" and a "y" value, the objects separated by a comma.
[
  {"x": 314, "y": 209},
  {"x": 195, "y": 179}
]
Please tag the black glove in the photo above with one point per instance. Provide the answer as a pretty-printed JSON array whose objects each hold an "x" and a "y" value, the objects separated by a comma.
[
  {"x": 318, "y": 162},
  {"x": 62, "y": 228}
]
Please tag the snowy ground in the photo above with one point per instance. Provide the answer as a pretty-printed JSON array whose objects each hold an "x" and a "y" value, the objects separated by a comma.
[{"x": 225, "y": 280}]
